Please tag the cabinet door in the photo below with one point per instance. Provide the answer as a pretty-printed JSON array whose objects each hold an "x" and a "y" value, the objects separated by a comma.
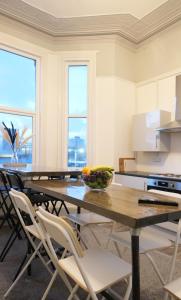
[
  {"x": 145, "y": 137},
  {"x": 166, "y": 95},
  {"x": 146, "y": 98},
  {"x": 139, "y": 183}
]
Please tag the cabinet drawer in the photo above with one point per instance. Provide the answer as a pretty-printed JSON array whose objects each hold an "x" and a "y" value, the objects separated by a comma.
[{"x": 139, "y": 183}]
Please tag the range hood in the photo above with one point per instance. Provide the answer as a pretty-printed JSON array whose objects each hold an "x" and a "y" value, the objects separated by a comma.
[{"x": 175, "y": 126}]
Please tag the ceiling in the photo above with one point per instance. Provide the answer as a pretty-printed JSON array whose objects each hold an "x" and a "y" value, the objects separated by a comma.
[
  {"x": 82, "y": 8},
  {"x": 134, "y": 20}
]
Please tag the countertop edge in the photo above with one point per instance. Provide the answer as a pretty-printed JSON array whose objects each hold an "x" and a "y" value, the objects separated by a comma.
[{"x": 146, "y": 175}]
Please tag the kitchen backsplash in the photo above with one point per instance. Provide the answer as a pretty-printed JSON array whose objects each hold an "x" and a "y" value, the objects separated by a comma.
[{"x": 162, "y": 162}]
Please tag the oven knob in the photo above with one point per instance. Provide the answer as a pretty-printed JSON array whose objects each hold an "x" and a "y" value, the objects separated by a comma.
[
  {"x": 172, "y": 185},
  {"x": 154, "y": 182}
]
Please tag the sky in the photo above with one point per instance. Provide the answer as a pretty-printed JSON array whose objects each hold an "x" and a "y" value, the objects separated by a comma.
[
  {"x": 17, "y": 81},
  {"x": 77, "y": 91}
]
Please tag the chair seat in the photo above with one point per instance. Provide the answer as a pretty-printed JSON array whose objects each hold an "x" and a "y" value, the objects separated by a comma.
[
  {"x": 84, "y": 219},
  {"x": 167, "y": 230},
  {"x": 174, "y": 288},
  {"x": 149, "y": 240},
  {"x": 102, "y": 269},
  {"x": 168, "y": 226}
]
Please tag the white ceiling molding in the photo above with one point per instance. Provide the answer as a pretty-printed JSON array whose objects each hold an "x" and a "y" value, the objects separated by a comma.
[
  {"x": 127, "y": 26},
  {"x": 87, "y": 8}
]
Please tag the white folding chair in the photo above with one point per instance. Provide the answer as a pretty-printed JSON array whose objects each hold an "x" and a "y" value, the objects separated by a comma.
[
  {"x": 93, "y": 270},
  {"x": 174, "y": 289},
  {"x": 88, "y": 220},
  {"x": 22, "y": 204},
  {"x": 168, "y": 229},
  {"x": 149, "y": 241},
  {"x": 172, "y": 231}
]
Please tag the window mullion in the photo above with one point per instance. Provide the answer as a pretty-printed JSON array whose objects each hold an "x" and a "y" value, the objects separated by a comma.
[
  {"x": 16, "y": 111},
  {"x": 77, "y": 116}
]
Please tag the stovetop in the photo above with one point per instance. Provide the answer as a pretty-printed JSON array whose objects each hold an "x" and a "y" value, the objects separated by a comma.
[{"x": 166, "y": 175}]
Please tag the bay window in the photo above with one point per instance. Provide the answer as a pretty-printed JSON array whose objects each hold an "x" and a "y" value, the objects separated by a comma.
[
  {"x": 17, "y": 101},
  {"x": 77, "y": 115}
]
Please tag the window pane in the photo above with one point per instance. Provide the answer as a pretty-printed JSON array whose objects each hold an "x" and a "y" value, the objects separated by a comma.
[
  {"x": 77, "y": 89},
  {"x": 19, "y": 122},
  {"x": 17, "y": 81},
  {"x": 77, "y": 135}
]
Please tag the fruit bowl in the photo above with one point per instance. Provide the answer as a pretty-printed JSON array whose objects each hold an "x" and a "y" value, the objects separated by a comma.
[{"x": 97, "y": 178}]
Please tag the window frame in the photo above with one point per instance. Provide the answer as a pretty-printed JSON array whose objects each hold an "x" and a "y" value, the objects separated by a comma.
[
  {"x": 69, "y": 59},
  {"x": 27, "y": 113}
]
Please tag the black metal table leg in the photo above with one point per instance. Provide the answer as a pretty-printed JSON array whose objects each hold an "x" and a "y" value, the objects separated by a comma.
[{"x": 135, "y": 264}]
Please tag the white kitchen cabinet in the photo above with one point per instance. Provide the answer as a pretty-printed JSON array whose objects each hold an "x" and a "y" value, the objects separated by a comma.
[
  {"x": 167, "y": 94},
  {"x": 135, "y": 182},
  {"x": 145, "y": 135},
  {"x": 146, "y": 97},
  {"x": 159, "y": 94}
]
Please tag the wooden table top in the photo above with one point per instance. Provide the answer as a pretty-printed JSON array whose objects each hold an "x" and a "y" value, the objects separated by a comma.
[
  {"x": 117, "y": 202},
  {"x": 36, "y": 170}
]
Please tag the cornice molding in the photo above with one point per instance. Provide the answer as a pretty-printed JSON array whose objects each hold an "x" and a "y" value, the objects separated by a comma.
[{"x": 125, "y": 25}]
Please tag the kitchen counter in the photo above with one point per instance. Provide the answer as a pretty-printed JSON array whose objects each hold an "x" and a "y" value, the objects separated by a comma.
[{"x": 148, "y": 175}]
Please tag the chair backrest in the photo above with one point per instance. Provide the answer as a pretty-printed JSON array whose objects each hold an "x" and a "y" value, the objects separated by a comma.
[
  {"x": 3, "y": 181},
  {"x": 15, "y": 181},
  {"x": 59, "y": 230},
  {"x": 3, "y": 178},
  {"x": 23, "y": 204}
]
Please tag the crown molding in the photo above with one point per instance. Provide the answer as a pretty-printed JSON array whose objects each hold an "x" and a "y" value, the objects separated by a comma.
[{"x": 125, "y": 25}]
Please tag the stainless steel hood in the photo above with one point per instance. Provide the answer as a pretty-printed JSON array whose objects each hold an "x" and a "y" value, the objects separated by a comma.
[{"x": 175, "y": 126}]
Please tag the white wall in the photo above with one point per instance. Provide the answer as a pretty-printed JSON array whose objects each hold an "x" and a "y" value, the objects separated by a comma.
[
  {"x": 114, "y": 90},
  {"x": 104, "y": 127},
  {"x": 124, "y": 110},
  {"x": 51, "y": 126},
  {"x": 114, "y": 87},
  {"x": 162, "y": 162},
  {"x": 160, "y": 54}
]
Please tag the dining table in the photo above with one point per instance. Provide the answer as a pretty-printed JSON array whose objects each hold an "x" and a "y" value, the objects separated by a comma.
[
  {"x": 30, "y": 170},
  {"x": 118, "y": 203}
]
